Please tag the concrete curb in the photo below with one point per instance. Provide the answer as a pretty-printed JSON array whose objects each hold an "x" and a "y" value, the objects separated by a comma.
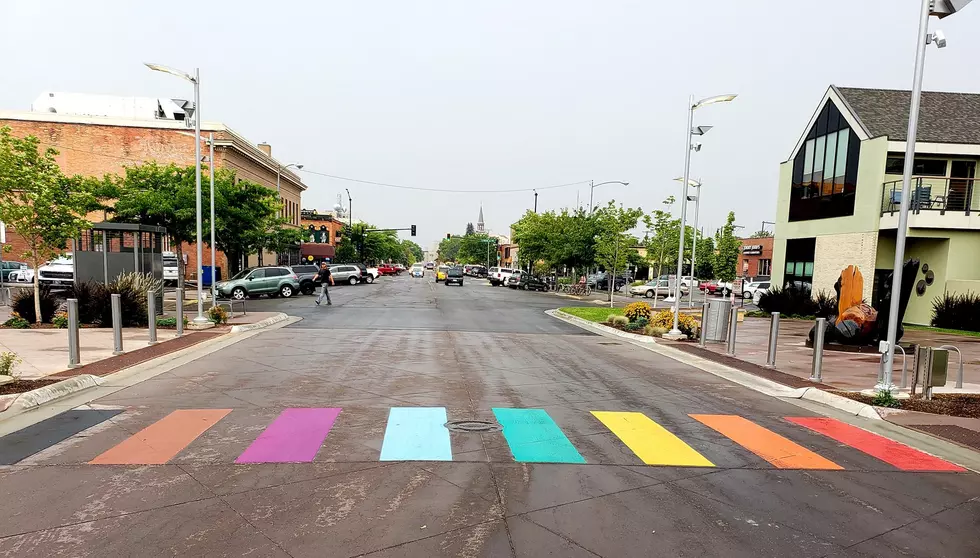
[
  {"x": 601, "y": 329},
  {"x": 280, "y": 317},
  {"x": 751, "y": 381},
  {"x": 42, "y": 395}
]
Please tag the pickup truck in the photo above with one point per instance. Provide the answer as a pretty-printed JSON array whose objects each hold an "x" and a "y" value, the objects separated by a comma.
[
  {"x": 306, "y": 275},
  {"x": 388, "y": 269},
  {"x": 58, "y": 273},
  {"x": 499, "y": 275}
]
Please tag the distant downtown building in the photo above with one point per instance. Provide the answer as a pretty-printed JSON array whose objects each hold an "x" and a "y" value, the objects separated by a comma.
[
  {"x": 840, "y": 194},
  {"x": 99, "y": 134}
]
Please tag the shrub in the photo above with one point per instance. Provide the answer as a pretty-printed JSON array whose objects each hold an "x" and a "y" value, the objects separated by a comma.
[
  {"x": 655, "y": 331},
  {"x": 218, "y": 315},
  {"x": 793, "y": 301},
  {"x": 641, "y": 322},
  {"x": 8, "y": 361},
  {"x": 632, "y": 326},
  {"x": 665, "y": 319},
  {"x": 620, "y": 321},
  {"x": 168, "y": 322},
  {"x": 637, "y": 283},
  {"x": 16, "y": 322},
  {"x": 60, "y": 320},
  {"x": 884, "y": 398},
  {"x": 826, "y": 305},
  {"x": 637, "y": 310},
  {"x": 23, "y": 304},
  {"x": 93, "y": 301},
  {"x": 956, "y": 311}
]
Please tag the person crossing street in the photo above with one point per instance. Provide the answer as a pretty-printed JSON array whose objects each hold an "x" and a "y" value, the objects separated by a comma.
[{"x": 323, "y": 277}]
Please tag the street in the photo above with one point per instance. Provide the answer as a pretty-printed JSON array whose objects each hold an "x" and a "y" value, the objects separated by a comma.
[{"x": 329, "y": 438}]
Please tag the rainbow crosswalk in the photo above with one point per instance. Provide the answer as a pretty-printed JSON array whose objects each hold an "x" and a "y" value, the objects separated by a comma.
[{"x": 297, "y": 435}]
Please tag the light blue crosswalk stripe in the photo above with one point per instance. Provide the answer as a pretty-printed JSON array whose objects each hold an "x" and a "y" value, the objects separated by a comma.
[{"x": 416, "y": 434}]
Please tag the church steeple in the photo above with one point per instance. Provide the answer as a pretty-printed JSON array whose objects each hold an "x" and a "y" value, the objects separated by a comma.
[{"x": 479, "y": 222}]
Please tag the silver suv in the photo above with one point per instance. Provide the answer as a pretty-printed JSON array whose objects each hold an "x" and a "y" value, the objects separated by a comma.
[{"x": 346, "y": 273}]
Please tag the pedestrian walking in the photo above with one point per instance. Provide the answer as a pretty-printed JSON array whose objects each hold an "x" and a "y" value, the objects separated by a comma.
[{"x": 324, "y": 278}]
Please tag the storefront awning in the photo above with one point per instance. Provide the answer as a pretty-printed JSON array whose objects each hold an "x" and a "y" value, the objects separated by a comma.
[{"x": 317, "y": 250}]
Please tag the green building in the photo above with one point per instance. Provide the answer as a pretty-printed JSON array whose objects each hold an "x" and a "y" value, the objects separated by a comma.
[{"x": 840, "y": 194}]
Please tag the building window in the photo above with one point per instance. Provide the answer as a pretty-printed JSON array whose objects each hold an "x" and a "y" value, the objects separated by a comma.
[
  {"x": 799, "y": 263},
  {"x": 895, "y": 164},
  {"x": 765, "y": 267},
  {"x": 825, "y": 169}
]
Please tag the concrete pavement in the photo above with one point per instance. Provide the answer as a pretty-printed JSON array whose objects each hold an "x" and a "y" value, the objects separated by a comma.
[{"x": 161, "y": 467}]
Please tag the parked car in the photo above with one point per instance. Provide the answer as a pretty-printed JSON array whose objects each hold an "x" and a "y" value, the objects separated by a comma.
[
  {"x": 454, "y": 275},
  {"x": 441, "y": 272},
  {"x": 749, "y": 289},
  {"x": 399, "y": 267},
  {"x": 656, "y": 288},
  {"x": 273, "y": 281},
  {"x": 474, "y": 270},
  {"x": 526, "y": 281},
  {"x": 418, "y": 270},
  {"x": 307, "y": 277},
  {"x": 170, "y": 268},
  {"x": 430, "y": 265},
  {"x": 10, "y": 268},
  {"x": 601, "y": 282},
  {"x": 347, "y": 273},
  {"x": 58, "y": 273},
  {"x": 499, "y": 275},
  {"x": 387, "y": 269},
  {"x": 368, "y": 274},
  {"x": 709, "y": 286}
]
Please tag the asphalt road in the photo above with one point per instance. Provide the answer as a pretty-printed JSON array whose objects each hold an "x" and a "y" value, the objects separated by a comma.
[{"x": 328, "y": 438}]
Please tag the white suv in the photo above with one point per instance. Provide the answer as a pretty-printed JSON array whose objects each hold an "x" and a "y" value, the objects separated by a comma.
[{"x": 499, "y": 275}]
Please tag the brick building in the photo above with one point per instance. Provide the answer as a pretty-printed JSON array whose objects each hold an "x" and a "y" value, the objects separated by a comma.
[
  {"x": 323, "y": 231},
  {"x": 98, "y": 145},
  {"x": 756, "y": 258}
]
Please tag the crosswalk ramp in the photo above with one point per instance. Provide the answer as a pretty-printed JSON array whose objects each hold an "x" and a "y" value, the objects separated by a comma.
[{"x": 305, "y": 435}]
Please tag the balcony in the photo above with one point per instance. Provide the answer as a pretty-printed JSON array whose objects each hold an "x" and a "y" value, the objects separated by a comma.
[{"x": 935, "y": 203}]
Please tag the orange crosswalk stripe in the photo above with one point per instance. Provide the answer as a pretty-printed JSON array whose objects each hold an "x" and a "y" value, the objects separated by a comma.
[
  {"x": 161, "y": 441},
  {"x": 765, "y": 443}
]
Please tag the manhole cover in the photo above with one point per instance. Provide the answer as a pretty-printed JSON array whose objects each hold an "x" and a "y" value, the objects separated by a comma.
[
  {"x": 473, "y": 426},
  {"x": 608, "y": 343}
]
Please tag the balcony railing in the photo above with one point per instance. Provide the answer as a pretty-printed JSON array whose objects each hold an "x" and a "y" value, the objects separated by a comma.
[{"x": 939, "y": 194}]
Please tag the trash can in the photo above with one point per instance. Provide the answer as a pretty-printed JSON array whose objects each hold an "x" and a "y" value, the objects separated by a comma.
[
  {"x": 206, "y": 270},
  {"x": 716, "y": 322}
]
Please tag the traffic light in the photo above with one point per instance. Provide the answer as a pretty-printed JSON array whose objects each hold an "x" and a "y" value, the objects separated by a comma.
[
  {"x": 413, "y": 230},
  {"x": 448, "y": 236}
]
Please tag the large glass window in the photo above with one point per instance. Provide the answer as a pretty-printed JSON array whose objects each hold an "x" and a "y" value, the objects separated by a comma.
[
  {"x": 799, "y": 263},
  {"x": 825, "y": 169},
  {"x": 895, "y": 164}
]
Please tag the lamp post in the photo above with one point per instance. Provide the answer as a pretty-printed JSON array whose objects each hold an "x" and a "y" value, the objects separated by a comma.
[
  {"x": 350, "y": 213},
  {"x": 593, "y": 186},
  {"x": 200, "y": 320},
  {"x": 690, "y": 131},
  {"x": 211, "y": 172},
  {"x": 282, "y": 168},
  {"x": 535, "y": 201},
  {"x": 694, "y": 245},
  {"x": 940, "y": 8}
]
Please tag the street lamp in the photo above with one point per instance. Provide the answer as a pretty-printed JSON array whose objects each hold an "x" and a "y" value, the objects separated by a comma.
[
  {"x": 941, "y": 9},
  {"x": 593, "y": 186},
  {"x": 282, "y": 168},
  {"x": 688, "y": 147},
  {"x": 694, "y": 245},
  {"x": 350, "y": 213},
  {"x": 200, "y": 320}
]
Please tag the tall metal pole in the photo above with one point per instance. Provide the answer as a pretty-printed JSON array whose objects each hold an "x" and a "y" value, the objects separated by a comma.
[
  {"x": 675, "y": 331},
  {"x": 591, "y": 190},
  {"x": 213, "y": 256},
  {"x": 200, "y": 319},
  {"x": 535, "y": 201},
  {"x": 694, "y": 246},
  {"x": 903, "y": 214},
  {"x": 350, "y": 209}
]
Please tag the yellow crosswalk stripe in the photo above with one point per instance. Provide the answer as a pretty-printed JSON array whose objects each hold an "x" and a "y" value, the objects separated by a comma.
[{"x": 652, "y": 443}]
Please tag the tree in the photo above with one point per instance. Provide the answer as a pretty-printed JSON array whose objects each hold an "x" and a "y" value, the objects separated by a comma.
[
  {"x": 613, "y": 243},
  {"x": 473, "y": 248},
  {"x": 449, "y": 248},
  {"x": 364, "y": 243},
  {"x": 413, "y": 252},
  {"x": 761, "y": 234},
  {"x": 469, "y": 229},
  {"x": 729, "y": 248},
  {"x": 565, "y": 239},
  {"x": 662, "y": 246},
  {"x": 37, "y": 201},
  {"x": 704, "y": 267}
]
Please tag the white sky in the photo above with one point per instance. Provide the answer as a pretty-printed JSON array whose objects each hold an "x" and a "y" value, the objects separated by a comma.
[{"x": 493, "y": 95}]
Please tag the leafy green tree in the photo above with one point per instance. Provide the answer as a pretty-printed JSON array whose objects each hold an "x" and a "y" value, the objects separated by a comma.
[
  {"x": 469, "y": 229},
  {"x": 761, "y": 234},
  {"x": 473, "y": 248},
  {"x": 729, "y": 248},
  {"x": 613, "y": 241},
  {"x": 449, "y": 248},
  {"x": 663, "y": 237},
  {"x": 38, "y": 202},
  {"x": 412, "y": 252},
  {"x": 362, "y": 242},
  {"x": 704, "y": 267}
]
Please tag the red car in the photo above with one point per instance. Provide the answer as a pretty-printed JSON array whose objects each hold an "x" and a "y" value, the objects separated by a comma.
[
  {"x": 710, "y": 286},
  {"x": 388, "y": 269}
]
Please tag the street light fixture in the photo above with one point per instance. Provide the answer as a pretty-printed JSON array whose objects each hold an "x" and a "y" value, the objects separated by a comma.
[
  {"x": 941, "y": 9},
  {"x": 593, "y": 186},
  {"x": 694, "y": 245},
  {"x": 689, "y": 131},
  {"x": 282, "y": 168},
  {"x": 199, "y": 320}
]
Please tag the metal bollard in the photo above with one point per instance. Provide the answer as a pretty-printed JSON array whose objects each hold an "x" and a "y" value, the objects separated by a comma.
[
  {"x": 732, "y": 330},
  {"x": 704, "y": 322},
  {"x": 117, "y": 324},
  {"x": 816, "y": 373},
  {"x": 74, "y": 358},
  {"x": 773, "y": 336},
  {"x": 180, "y": 311},
  {"x": 151, "y": 310}
]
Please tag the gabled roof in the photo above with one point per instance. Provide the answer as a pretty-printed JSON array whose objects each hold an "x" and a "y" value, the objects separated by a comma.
[{"x": 943, "y": 117}]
